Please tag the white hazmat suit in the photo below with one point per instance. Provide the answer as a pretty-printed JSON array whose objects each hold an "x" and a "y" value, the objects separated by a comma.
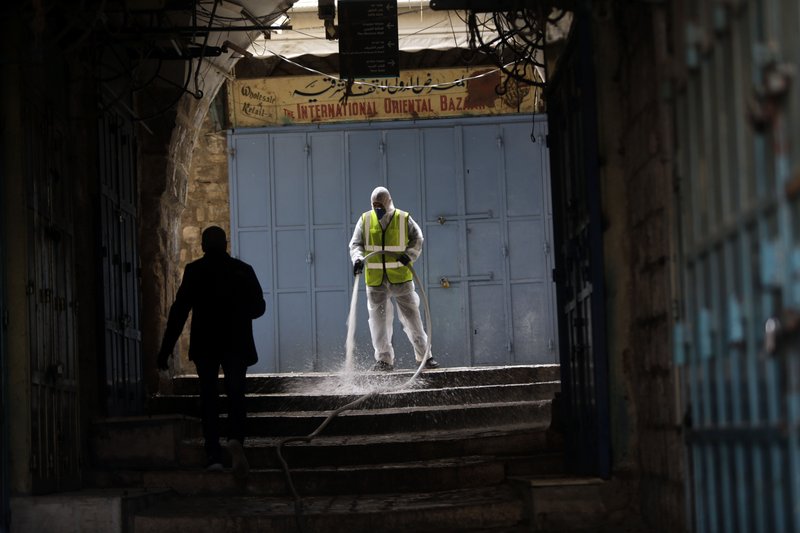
[{"x": 381, "y": 310}]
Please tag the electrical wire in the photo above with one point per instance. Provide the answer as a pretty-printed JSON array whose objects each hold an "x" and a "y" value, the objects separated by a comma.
[
  {"x": 513, "y": 31},
  {"x": 243, "y": 18},
  {"x": 452, "y": 29},
  {"x": 173, "y": 103},
  {"x": 88, "y": 29},
  {"x": 198, "y": 93},
  {"x": 384, "y": 86}
]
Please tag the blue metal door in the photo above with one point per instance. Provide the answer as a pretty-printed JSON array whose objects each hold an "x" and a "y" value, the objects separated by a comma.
[
  {"x": 443, "y": 244},
  {"x": 330, "y": 297},
  {"x": 737, "y": 340},
  {"x": 291, "y": 253},
  {"x": 251, "y": 230},
  {"x": 403, "y": 178},
  {"x": 477, "y": 188}
]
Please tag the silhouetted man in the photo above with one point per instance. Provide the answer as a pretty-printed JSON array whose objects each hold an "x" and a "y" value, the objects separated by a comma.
[{"x": 224, "y": 297}]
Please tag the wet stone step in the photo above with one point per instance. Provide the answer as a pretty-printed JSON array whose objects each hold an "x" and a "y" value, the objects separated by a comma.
[
  {"x": 374, "y": 421},
  {"x": 457, "y": 510},
  {"x": 344, "y": 450},
  {"x": 329, "y": 398},
  {"x": 437, "y": 379},
  {"x": 437, "y": 474}
]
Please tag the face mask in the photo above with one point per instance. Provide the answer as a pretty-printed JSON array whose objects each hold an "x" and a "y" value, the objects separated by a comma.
[{"x": 380, "y": 212}]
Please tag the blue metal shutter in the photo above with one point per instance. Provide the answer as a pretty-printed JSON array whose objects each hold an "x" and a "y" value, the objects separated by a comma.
[
  {"x": 478, "y": 190},
  {"x": 736, "y": 341}
]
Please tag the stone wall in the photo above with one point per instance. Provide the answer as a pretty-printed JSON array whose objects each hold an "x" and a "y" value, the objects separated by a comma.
[
  {"x": 636, "y": 149},
  {"x": 207, "y": 204},
  {"x": 166, "y": 147}
]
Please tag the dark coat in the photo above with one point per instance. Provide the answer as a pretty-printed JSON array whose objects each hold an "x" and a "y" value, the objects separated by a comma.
[{"x": 224, "y": 297}]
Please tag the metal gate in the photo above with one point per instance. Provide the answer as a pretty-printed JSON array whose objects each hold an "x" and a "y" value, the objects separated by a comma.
[
  {"x": 123, "y": 387},
  {"x": 477, "y": 187},
  {"x": 737, "y": 341},
  {"x": 5, "y": 518},
  {"x": 54, "y": 440},
  {"x": 579, "y": 276}
]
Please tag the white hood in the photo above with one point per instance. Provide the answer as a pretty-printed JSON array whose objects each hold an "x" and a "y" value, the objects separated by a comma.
[{"x": 382, "y": 196}]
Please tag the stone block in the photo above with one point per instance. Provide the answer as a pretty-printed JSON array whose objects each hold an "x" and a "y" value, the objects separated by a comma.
[
  {"x": 651, "y": 239},
  {"x": 649, "y": 190},
  {"x": 651, "y": 300},
  {"x": 191, "y": 235},
  {"x": 637, "y": 141},
  {"x": 86, "y": 511},
  {"x": 140, "y": 440},
  {"x": 572, "y": 504},
  {"x": 214, "y": 192}
]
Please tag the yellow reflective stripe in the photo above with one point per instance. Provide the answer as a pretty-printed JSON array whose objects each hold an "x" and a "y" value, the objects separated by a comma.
[
  {"x": 396, "y": 264},
  {"x": 372, "y": 248},
  {"x": 365, "y": 228},
  {"x": 375, "y": 265},
  {"x": 395, "y": 248}
]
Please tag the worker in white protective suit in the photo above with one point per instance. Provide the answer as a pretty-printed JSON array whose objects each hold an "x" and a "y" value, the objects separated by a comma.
[{"x": 388, "y": 276}]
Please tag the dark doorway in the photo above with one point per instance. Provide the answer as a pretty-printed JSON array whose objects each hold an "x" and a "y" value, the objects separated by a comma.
[{"x": 578, "y": 226}]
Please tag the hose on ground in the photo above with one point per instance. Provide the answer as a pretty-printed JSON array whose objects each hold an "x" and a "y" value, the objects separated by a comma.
[{"x": 298, "y": 502}]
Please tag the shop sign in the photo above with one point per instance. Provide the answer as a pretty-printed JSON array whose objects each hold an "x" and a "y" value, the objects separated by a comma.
[{"x": 415, "y": 94}]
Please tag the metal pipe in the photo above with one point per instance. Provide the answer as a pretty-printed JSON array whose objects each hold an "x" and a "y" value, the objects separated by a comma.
[{"x": 198, "y": 30}]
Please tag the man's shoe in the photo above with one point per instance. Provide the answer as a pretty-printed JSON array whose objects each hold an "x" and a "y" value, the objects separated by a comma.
[
  {"x": 383, "y": 366},
  {"x": 431, "y": 363},
  {"x": 240, "y": 466},
  {"x": 214, "y": 464}
]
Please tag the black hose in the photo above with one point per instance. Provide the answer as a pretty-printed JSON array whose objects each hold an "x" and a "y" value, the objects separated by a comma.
[{"x": 298, "y": 501}]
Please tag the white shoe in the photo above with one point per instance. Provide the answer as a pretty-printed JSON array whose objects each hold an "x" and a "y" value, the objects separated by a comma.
[{"x": 240, "y": 466}]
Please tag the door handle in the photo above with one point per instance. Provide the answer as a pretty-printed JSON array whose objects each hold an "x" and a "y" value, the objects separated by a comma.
[
  {"x": 441, "y": 219},
  {"x": 781, "y": 331},
  {"x": 445, "y": 281}
]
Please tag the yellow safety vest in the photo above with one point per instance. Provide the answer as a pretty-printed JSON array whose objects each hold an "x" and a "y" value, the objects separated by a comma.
[{"x": 392, "y": 239}]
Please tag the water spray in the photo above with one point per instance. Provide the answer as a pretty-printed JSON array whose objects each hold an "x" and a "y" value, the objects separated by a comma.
[{"x": 349, "y": 350}]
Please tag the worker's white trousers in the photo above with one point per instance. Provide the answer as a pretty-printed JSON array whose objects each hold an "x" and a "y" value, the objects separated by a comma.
[{"x": 381, "y": 318}]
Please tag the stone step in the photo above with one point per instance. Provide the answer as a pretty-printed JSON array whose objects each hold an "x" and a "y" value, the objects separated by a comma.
[
  {"x": 436, "y": 379},
  {"x": 458, "y": 510},
  {"x": 327, "y": 398},
  {"x": 347, "y": 450},
  {"x": 434, "y": 475},
  {"x": 441, "y": 474},
  {"x": 164, "y": 441},
  {"x": 141, "y": 441},
  {"x": 391, "y": 420},
  {"x": 107, "y": 510}
]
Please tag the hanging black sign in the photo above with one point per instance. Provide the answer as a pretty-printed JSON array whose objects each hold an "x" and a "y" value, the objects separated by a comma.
[{"x": 368, "y": 42}]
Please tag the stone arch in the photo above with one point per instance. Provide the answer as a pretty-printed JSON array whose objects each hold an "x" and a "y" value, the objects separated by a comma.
[{"x": 165, "y": 159}]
